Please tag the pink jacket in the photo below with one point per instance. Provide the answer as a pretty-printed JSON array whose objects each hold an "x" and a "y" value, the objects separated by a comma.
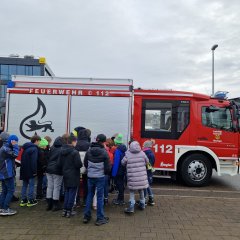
[{"x": 135, "y": 161}]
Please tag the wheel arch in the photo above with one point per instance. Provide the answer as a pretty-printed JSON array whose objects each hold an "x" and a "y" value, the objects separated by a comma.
[
  {"x": 212, "y": 160},
  {"x": 209, "y": 154}
]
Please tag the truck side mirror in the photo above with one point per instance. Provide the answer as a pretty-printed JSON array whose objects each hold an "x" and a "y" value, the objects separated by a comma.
[
  {"x": 235, "y": 112},
  {"x": 235, "y": 118}
]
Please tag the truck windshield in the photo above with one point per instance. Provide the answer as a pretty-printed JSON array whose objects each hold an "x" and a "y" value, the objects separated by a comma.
[{"x": 220, "y": 118}]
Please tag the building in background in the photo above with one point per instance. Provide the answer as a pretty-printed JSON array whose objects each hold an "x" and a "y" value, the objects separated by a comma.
[{"x": 16, "y": 65}]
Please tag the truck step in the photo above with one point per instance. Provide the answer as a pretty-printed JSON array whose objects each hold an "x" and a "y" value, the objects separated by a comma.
[{"x": 162, "y": 174}]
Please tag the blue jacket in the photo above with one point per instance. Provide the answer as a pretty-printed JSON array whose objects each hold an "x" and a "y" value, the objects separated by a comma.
[
  {"x": 8, "y": 153},
  {"x": 150, "y": 156},
  {"x": 119, "y": 154},
  {"x": 29, "y": 161}
]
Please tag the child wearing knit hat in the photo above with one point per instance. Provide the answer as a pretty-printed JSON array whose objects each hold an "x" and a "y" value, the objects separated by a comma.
[
  {"x": 8, "y": 153},
  {"x": 49, "y": 139},
  {"x": 118, "y": 139},
  {"x": 43, "y": 143},
  {"x": 147, "y": 149},
  {"x": 13, "y": 139},
  {"x": 119, "y": 171},
  {"x": 42, "y": 165}
]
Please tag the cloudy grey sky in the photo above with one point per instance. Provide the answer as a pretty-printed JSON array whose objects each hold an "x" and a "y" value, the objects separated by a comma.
[{"x": 160, "y": 44}]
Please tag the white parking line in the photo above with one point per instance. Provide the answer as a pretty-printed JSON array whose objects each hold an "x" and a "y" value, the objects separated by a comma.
[
  {"x": 194, "y": 190},
  {"x": 180, "y": 196}
]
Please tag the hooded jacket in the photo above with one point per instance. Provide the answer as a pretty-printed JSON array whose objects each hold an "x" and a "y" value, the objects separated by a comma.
[
  {"x": 54, "y": 155},
  {"x": 136, "y": 160},
  {"x": 29, "y": 161},
  {"x": 8, "y": 153},
  {"x": 70, "y": 164},
  {"x": 83, "y": 140},
  {"x": 97, "y": 161},
  {"x": 119, "y": 154}
]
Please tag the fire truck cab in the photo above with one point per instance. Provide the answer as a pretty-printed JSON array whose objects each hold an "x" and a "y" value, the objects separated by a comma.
[{"x": 193, "y": 133}]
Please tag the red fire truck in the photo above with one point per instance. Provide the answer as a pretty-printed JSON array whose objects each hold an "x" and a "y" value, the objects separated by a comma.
[{"x": 193, "y": 133}]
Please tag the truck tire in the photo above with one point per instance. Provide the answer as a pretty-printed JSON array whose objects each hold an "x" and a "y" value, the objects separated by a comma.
[{"x": 196, "y": 170}]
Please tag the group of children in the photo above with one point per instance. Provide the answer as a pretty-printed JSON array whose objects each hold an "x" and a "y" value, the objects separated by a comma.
[{"x": 102, "y": 166}]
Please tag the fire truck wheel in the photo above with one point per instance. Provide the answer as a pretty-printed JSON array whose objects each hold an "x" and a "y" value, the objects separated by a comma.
[{"x": 196, "y": 170}]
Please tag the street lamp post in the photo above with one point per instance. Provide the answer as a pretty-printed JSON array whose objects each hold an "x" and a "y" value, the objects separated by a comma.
[{"x": 213, "y": 49}]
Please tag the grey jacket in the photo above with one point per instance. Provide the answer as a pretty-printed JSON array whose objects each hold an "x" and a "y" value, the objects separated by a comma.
[
  {"x": 97, "y": 161},
  {"x": 136, "y": 161}
]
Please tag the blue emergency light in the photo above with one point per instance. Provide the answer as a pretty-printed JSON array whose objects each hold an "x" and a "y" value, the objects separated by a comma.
[
  {"x": 221, "y": 95},
  {"x": 11, "y": 84}
]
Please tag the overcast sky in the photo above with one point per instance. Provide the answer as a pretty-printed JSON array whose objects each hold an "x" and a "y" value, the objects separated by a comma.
[{"x": 159, "y": 44}]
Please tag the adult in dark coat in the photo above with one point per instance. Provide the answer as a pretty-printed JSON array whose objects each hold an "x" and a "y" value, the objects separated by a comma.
[{"x": 70, "y": 163}]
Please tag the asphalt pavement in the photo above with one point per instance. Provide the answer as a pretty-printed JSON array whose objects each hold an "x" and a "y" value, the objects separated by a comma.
[
  {"x": 211, "y": 212},
  {"x": 220, "y": 186}
]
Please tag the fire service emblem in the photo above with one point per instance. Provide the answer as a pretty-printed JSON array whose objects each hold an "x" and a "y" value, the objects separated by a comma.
[{"x": 34, "y": 123}]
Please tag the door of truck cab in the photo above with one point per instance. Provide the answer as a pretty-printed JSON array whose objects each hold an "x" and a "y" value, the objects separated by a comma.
[
  {"x": 215, "y": 130},
  {"x": 165, "y": 121}
]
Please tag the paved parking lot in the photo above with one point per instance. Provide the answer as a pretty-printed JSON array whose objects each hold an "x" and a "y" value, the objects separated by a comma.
[{"x": 180, "y": 213}]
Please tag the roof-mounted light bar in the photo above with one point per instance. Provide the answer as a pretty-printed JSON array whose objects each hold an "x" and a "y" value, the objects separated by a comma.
[{"x": 221, "y": 95}]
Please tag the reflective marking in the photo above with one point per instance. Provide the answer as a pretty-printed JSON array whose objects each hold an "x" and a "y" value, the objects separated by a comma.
[
  {"x": 165, "y": 94},
  {"x": 228, "y": 158}
]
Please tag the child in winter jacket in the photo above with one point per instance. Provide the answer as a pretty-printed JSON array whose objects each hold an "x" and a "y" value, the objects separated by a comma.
[
  {"x": 45, "y": 183},
  {"x": 28, "y": 171},
  {"x": 42, "y": 165},
  {"x": 112, "y": 148},
  {"x": 107, "y": 177},
  {"x": 135, "y": 161},
  {"x": 118, "y": 170},
  {"x": 97, "y": 164},
  {"x": 8, "y": 153},
  {"x": 147, "y": 145},
  {"x": 70, "y": 164},
  {"x": 83, "y": 136},
  {"x": 54, "y": 176}
]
